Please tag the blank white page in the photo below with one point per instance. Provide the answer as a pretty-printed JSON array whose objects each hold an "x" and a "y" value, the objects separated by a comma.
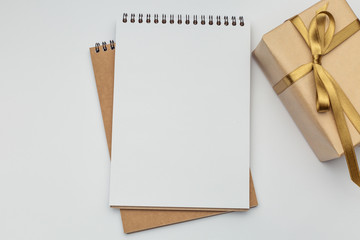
[{"x": 181, "y": 117}]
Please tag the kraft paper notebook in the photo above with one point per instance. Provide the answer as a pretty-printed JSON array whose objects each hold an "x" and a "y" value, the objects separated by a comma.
[
  {"x": 181, "y": 118},
  {"x": 136, "y": 220}
]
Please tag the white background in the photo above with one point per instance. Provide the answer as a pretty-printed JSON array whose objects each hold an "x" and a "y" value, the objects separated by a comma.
[{"x": 54, "y": 162}]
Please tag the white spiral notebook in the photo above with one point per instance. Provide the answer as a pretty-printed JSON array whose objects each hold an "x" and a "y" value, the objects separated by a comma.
[{"x": 181, "y": 120}]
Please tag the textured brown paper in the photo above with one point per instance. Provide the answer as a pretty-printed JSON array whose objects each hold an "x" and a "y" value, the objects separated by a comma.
[
  {"x": 134, "y": 219},
  {"x": 282, "y": 50}
]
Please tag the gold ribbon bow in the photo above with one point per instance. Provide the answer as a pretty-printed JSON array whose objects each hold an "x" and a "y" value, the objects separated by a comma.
[{"x": 329, "y": 95}]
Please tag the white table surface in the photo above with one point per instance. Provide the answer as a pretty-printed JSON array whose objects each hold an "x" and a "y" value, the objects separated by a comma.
[{"x": 54, "y": 162}]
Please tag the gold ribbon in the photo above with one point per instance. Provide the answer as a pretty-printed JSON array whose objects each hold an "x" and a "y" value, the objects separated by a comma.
[{"x": 329, "y": 95}]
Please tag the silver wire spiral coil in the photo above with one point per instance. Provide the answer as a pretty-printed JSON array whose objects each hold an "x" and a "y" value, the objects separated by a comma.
[
  {"x": 104, "y": 46},
  {"x": 172, "y": 19},
  {"x": 189, "y": 19}
]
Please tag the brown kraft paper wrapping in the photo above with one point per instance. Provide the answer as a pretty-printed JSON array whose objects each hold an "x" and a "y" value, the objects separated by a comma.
[
  {"x": 135, "y": 220},
  {"x": 283, "y": 49}
]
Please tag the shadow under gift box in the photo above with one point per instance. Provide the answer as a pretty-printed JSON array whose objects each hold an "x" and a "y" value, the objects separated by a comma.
[{"x": 283, "y": 50}]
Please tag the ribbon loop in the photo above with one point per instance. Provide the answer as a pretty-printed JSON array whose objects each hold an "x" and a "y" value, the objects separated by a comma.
[
  {"x": 322, "y": 96},
  {"x": 319, "y": 38}
]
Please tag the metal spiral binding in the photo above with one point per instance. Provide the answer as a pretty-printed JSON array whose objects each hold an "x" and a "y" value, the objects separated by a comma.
[
  {"x": 187, "y": 21},
  {"x": 112, "y": 44},
  {"x": 241, "y": 18},
  {"x": 203, "y": 20},
  {"x": 226, "y": 20},
  {"x": 211, "y": 20},
  {"x": 125, "y": 17},
  {"x": 179, "y": 19},
  {"x": 195, "y": 20},
  {"x": 104, "y": 47},
  {"x": 97, "y": 47},
  {"x": 220, "y": 20},
  {"x": 233, "y": 19},
  {"x": 172, "y": 19}
]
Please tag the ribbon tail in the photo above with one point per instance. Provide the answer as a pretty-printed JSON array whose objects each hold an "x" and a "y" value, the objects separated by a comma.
[
  {"x": 342, "y": 128},
  {"x": 346, "y": 104},
  {"x": 322, "y": 98}
]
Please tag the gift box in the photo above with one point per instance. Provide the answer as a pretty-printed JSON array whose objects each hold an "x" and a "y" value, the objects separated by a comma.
[{"x": 322, "y": 95}]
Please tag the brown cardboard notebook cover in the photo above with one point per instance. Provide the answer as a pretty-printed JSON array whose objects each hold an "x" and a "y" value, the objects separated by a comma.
[{"x": 137, "y": 219}]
